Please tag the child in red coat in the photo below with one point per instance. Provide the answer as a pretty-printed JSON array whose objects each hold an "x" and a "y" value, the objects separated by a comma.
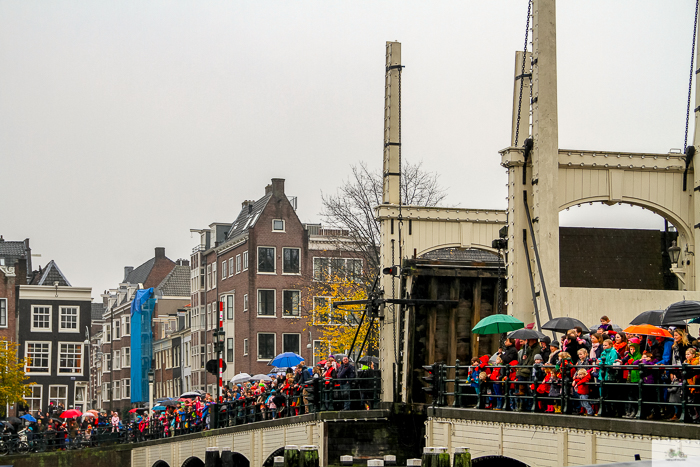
[{"x": 581, "y": 390}]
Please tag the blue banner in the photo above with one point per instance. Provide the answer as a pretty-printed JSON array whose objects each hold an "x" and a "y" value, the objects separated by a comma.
[{"x": 141, "y": 343}]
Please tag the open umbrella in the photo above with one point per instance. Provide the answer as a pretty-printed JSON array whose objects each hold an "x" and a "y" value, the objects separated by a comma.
[
  {"x": 28, "y": 418},
  {"x": 595, "y": 327},
  {"x": 647, "y": 330},
  {"x": 286, "y": 359},
  {"x": 138, "y": 409},
  {"x": 686, "y": 309},
  {"x": 170, "y": 403},
  {"x": 191, "y": 394},
  {"x": 653, "y": 317},
  {"x": 367, "y": 359},
  {"x": 240, "y": 378},
  {"x": 497, "y": 324},
  {"x": 158, "y": 408},
  {"x": 340, "y": 356},
  {"x": 261, "y": 377},
  {"x": 525, "y": 334},
  {"x": 71, "y": 413},
  {"x": 563, "y": 324},
  {"x": 88, "y": 415}
]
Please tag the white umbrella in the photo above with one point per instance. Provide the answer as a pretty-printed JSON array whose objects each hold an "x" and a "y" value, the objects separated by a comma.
[
  {"x": 240, "y": 378},
  {"x": 261, "y": 377},
  {"x": 195, "y": 393}
]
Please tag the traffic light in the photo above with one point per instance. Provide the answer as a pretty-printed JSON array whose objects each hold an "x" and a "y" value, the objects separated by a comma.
[
  {"x": 431, "y": 378},
  {"x": 393, "y": 271}
]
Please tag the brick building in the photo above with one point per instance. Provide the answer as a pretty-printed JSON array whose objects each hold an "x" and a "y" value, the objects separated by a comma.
[
  {"x": 258, "y": 267},
  {"x": 15, "y": 261},
  {"x": 115, "y": 393}
]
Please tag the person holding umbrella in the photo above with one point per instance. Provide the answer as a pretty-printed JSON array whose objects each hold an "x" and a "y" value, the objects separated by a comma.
[{"x": 525, "y": 374}]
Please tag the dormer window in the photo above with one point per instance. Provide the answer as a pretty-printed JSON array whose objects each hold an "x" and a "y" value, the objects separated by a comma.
[{"x": 278, "y": 225}]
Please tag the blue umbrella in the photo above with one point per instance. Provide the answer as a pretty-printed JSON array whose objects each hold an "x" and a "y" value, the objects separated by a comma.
[
  {"x": 286, "y": 359},
  {"x": 158, "y": 408},
  {"x": 28, "y": 417}
]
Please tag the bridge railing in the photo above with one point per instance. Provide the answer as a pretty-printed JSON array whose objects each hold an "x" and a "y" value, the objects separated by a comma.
[
  {"x": 316, "y": 395},
  {"x": 658, "y": 391}
]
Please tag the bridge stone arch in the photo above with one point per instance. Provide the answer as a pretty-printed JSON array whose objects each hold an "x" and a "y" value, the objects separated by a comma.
[
  {"x": 193, "y": 462},
  {"x": 161, "y": 463},
  {"x": 270, "y": 461},
  {"x": 240, "y": 460},
  {"x": 497, "y": 461}
]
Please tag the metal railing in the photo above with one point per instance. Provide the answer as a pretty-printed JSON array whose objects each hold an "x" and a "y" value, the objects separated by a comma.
[
  {"x": 609, "y": 392},
  {"x": 316, "y": 395}
]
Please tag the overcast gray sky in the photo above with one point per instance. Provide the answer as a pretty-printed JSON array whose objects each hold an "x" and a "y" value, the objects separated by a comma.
[{"x": 123, "y": 124}]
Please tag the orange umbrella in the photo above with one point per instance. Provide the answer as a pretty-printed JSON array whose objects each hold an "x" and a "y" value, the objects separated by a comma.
[{"x": 647, "y": 330}]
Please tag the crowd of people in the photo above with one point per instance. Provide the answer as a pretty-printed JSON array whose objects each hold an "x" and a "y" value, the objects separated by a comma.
[
  {"x": 330, "y": 385},
  {"x": 581, "y": 361}
]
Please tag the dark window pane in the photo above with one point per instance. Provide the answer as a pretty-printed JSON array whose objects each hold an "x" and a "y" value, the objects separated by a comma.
[
  {"x": 290, "y": 343},
  {"x": 266, "y": 302},
  {"x": 229, "y": 350},
  {"x": 266, "y": 259},
  {"x": 291, "y": 302},
  {"x": 291, "y": 261},
  {"x": 337, "y": 268},
  {"x": 320, "y": 269},
  {"x": 266, "y": 346}
]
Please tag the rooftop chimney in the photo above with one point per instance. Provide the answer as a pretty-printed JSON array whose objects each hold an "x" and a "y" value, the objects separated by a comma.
[
  {"x": 278, "y": 186},
  {"x": 268, "y": 189},
  {"x": 160, "y": 252},
  {"x": 127, "y": 271}
]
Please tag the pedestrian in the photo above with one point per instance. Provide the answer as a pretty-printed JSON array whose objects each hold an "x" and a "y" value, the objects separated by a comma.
[{"x": 346, "y": 375}]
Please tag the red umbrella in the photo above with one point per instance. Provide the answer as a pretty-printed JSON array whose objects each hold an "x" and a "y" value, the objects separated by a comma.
[{"x": 71, "y": 413}]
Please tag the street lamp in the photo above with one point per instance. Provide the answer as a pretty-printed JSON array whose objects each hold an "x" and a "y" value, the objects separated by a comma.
[
  {"x": 151, "y": 377},
  {"x": 674, "y": 252}
]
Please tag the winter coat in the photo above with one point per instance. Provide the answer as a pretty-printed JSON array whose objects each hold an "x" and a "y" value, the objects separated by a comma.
[
  {"x": 647, "y": 374},
  {"x": 580, "y": 384},
  {"x": 607, "y": 357},
  {"x": 509, "y": 354}
]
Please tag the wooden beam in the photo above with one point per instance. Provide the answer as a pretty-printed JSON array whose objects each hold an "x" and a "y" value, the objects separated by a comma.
[{"x": 476, "y": 314}]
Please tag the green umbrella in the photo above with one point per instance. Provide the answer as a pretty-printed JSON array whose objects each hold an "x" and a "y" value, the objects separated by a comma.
[{"x": 496, "y": 324}]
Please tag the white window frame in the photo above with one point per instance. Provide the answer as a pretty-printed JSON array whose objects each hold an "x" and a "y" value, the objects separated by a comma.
[
  {"x": 224, "y": 269},
  {"x": 274, "y": 261},
  {"x": 274, "y": 303},
  {"x": 117, "y": 359},
  {"x": 208, "y": 284},
  {"x": 26, "y": 358},
  {"x": 30, "y": 398},
  {"x": 60, "y": 320},
  {"x": 298, "y": 273},
  {"x": 36, "y": 329},
  {"x": 298, "y": 350},
  {"x": 245, "y": 260},
  {"x": 284, "y": 226},
  {"x": 126, "y": 357},
  {"x": 238, "y": 264},
  {"x": 126, "y": 384},
  {"x": 246, "y": 347},
  {"x": 298, "y": 303},
  {"x": 106, "y": 390},
  {"x": 65, "y": 403},
  {"x": 117, "y": 329},
  {"x": 245, "y": 302},
  {"x": 230, "y": 348},
  {"x": 274, "y": 346},
  {"x": 126, "y": 325},
  {"x": 313, "y": 351},
  {"x": 107, "y": 333},
  {"x": 117, "y": 390},
  {"x": 82, "y": 360},
  {"x": 3, "y": 312},
  {"x": 230, "y": 267},
  {"x": 213, "y": 275},
  {"x": 230, "y": 301},
  {"x": 313, "y": 311}
]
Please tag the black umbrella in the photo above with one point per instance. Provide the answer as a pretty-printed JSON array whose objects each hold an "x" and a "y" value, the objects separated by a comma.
[
  {"x": 653, "y": 317},
  {"x": 563, "y": 324},
  {"x": 14, "y": 420},
  {"x": 595, "y": 328},
  {"x": 170, "y": 403},
  {"x": 367, "y": 359},
  {"x": 525, "y": 334},
  {"x": 687, "y": 309}
]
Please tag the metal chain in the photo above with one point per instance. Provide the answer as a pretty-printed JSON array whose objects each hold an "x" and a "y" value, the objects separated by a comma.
[
  {"x": 522, "y": 72},
  {"x": 690, "y": 84}
]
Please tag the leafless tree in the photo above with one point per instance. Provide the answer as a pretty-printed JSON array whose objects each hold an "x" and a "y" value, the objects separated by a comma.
[{"x": 352, "y": 206}]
